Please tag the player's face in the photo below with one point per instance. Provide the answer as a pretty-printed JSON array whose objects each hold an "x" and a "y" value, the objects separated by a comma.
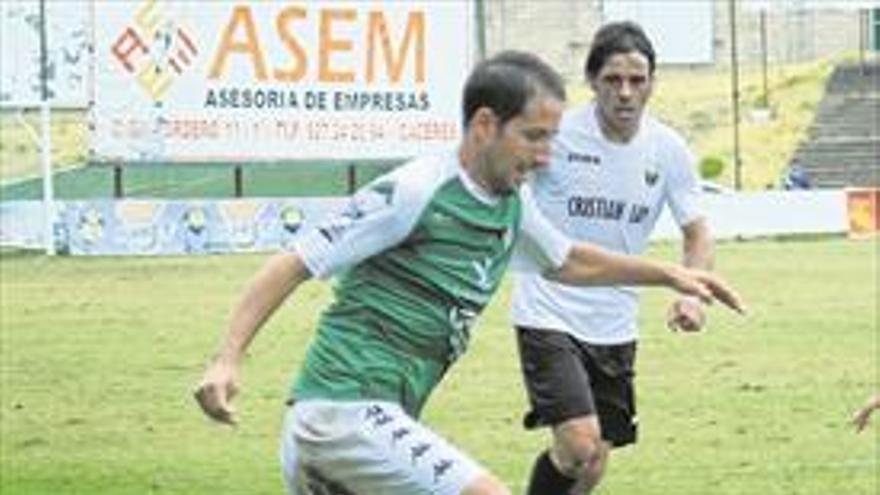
[
  {"x": 623, "y": 86},
  {"x": 521, "y": 145}
]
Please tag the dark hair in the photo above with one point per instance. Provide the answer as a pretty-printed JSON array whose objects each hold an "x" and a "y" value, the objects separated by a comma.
[
  {"x": 507, "y": 82},
  {"x": 618, "y": 37}
]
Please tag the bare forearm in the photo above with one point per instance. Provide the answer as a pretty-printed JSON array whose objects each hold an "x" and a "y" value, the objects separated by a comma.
[
  {"x": 264, "y": 294},
  {"x": 698, "y": 250},
  {"x": 588, "y": 264},
  {"x": 591, "y": 265}
]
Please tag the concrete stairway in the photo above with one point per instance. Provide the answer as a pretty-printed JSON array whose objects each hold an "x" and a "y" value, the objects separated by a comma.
[{"x": 843, "y": 149}]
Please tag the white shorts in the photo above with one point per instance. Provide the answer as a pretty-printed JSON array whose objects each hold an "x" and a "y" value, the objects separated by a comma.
[{"x": 368, "y": 448}]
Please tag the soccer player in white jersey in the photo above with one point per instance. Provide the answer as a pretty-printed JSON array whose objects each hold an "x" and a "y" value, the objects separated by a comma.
[
  {"x": 613, "y": 168},
  {"x": 417, "y": 255}
]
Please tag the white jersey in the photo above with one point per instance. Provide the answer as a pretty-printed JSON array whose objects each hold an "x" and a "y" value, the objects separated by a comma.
[{"x": 611, "y": 195}]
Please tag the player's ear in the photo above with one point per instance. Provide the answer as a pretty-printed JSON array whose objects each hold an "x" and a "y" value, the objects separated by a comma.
[{"x": 484, "y": 124}]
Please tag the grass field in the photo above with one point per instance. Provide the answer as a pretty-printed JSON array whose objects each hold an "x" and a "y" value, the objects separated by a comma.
[
  {"x": 694, "y": 101},
  {"x": 98, "y": 357}
]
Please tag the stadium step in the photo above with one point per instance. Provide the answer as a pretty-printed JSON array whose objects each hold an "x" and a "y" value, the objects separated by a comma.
[{"x": 843, "y": 149}]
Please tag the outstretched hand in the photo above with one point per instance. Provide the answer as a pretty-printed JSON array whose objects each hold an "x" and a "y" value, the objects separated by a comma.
[
  {"x": 708, "y": 287},
  {"x": 214, "y": 393},
  {"x": 862, "y": 416}
]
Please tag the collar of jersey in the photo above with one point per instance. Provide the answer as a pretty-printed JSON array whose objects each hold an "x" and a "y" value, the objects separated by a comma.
[{"x": 476, "y": 190}]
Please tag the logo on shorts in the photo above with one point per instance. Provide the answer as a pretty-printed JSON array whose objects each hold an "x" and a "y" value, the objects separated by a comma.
[
  {"x": 378, "y": 416},
  {"x": 441, "y": 468},
  {"x": 419, "y": 450},
  {"x": 398, "y": 434},
  {"x": 316, "y": 482}
]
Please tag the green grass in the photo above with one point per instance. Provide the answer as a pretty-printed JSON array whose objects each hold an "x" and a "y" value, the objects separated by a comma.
[
  {"x": 694, "y": 101},
  {"x": 98, "y": 357}
]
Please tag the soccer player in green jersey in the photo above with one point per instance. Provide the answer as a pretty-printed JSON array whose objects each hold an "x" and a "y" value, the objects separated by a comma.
[{"x": 417, "y": 255}]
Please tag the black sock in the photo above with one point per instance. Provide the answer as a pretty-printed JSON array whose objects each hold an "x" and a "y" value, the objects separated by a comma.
[{"x": 547, "y": 480}]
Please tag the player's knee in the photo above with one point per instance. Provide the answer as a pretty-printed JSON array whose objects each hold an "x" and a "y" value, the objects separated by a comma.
[
  {"x": 585, "y": 461},
  {"x": 581, "y": 453},
  {"x": 593, "y": 468},
  {"x": 485, "y": 485}
]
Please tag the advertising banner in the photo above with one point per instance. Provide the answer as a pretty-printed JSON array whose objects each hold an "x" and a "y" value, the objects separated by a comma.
[
  {"x": 156, "y": 227},
  {"x": 863, "y": 212},
  {"x": 145, "y": 227},
  {"x": 184, "y": 81}
]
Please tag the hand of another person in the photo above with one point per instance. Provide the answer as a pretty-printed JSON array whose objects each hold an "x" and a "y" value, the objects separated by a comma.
[
  {"x": 214, "y": 393},
  {"x": 862, "y": 416}
]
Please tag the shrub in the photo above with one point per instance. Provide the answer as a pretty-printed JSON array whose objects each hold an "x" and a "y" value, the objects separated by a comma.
[
  {"x": 711, "y": 167},
  {"x": 761, "y": 101}
]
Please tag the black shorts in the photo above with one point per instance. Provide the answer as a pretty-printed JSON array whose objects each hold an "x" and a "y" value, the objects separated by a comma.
[{"x": 566, "y": 378}]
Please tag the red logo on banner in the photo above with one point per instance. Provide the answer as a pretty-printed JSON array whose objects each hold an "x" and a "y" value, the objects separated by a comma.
[{"x": 154, "y": 49}]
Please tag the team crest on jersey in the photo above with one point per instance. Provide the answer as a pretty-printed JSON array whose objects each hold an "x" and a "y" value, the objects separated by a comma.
[{"x": 482, "y": 271}]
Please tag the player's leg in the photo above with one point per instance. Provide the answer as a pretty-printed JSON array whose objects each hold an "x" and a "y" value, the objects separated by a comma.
[
  {"x": 560, "y": 393},
  {"x": 578, "y": 450},
  {"x": 614, "y": 424},
  {"x": 363, "y": 448},
  {"x": 485, "y": 484}
]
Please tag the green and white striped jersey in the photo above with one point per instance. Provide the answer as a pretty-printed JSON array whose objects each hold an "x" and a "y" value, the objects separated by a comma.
[{"x": 418, "y": 253}]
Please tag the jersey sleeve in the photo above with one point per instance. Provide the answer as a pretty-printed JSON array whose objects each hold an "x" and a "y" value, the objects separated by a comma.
[
  {"x": 377, "y": 217},
  {"x": 682, "y": 187},
  {"x": 540, "y": 245}
]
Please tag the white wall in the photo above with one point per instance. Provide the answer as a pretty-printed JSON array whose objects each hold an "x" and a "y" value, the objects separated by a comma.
[
  {"x": 811, "y": 4},
  {"x": 681, "y": 31},
  {"x": 767, "y": 213}
]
